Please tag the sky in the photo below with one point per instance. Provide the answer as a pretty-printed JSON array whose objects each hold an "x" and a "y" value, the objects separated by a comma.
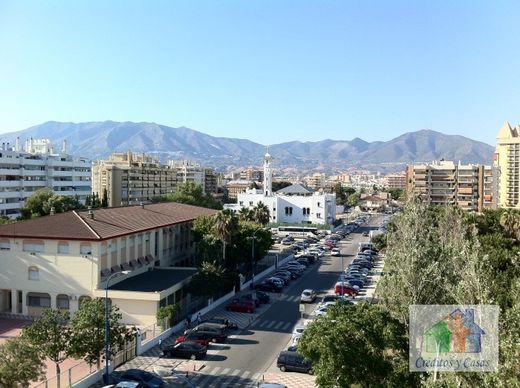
[{"x": 269, "y": 71}]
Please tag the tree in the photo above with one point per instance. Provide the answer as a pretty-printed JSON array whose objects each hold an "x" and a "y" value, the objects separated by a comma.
[
  {"x": 50, "y": 335},
  {"x": 510, "y": 220},
  {"x": 88, "y": 331},
  {"x": 192, "y": 194},
  {"x": 43, "y": 201},
  {"x": 20, "y": 363},
  {"x": 209, "y": 279},
  {"x": 226, "y": 226},
  {"x": 104, "y": 199},
  {"x": 245, "y": 214},
  {"x": 360, "y": 344},
  {"x": 395, "y": 193},
  {"x": 353, "y": 199},
  {"x": 261, "y": 213},
  {"x": 167, "y": 314}
]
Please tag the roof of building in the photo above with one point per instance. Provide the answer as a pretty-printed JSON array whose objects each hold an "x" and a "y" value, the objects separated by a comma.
[
  {"x": 154, "y": 281},
  {"x": 295, "y": 189},
  {"x": 104, "y": 223}
]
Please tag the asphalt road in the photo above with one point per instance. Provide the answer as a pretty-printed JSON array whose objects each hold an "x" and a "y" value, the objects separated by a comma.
[{"x": 255, "y": 348}]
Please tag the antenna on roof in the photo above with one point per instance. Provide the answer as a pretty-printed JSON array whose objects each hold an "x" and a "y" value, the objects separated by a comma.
[
  {"x": 142, "y": 204},
  {"x": 91, "y": 214}
]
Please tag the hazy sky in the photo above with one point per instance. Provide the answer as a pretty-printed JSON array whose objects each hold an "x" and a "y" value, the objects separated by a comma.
[{"x": 269, "y": 71}]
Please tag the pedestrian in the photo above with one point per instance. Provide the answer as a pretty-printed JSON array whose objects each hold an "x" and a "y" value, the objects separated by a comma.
[
  {"x": 199, "y": 319},
  {"x": 160, "y": 343}
]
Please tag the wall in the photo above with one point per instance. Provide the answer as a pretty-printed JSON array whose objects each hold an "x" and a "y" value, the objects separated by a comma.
[{"x": 136, "y": 312}]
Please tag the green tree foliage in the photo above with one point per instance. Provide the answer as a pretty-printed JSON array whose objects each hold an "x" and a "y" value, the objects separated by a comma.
[
  {"x": 395, "y": 193},
  {"x": 510, "y": 220},
  {"x": 104, "y": 198},
  {"x": 210, "y": 278},
  {"x": 245, "y": 214},
  {"x": 43, "y": 200},
  {"x": 342, "y": 194},
  {"x": 224, "y": 229},
  {"x": 353, "y": 199},
  {"x": 359, "y": 344},
  {"x": 260, "y": 213},
  {"x": 167, "y": 314},
  {"x": 50, "y": 336},
  {"x": 88, "y": 331},
  {"x": 20, "y": 363},
  {"x": 192, "y": 194},
  {"x": 93, "y": 201}
]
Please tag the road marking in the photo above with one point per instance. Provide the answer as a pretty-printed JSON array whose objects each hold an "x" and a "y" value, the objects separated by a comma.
[
  {"x": 271, "y": 324},
  {"x": 245, "y": 374},
  {"x": 286, "y": 326},
  {"x": 256, "y": 376},
  {"x": 262, "y": 323},
  {"x": 225, "y": 371},
  {"x": 278, "y": 325},
  {"x": 214, "y": 371}
]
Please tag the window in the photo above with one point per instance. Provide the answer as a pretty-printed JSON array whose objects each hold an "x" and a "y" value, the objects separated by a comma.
[
  {"x": 63, "y": 247},
  {"x": 5, "y": 245},
  {"x": 35, "y": 299},
  {"x": 241, "y": 203},
  {"x": 318, "y": 215},
  {"x": 113, "y": 246},
  {"x": 34, "y": 274},
  {"x": 131, "y": 241},
  {"x": 33, "y": 246},
  {"x": 86, "y": 249},
  {"x": 319, "y": 204},
  {"x": 250, "y": 203},
  {"x": 123, "y": 242},
  {"x": 62, "y": 302}
]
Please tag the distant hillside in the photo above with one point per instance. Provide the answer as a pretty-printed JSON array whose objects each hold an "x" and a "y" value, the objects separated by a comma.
[{"x": 97, "y": 140}]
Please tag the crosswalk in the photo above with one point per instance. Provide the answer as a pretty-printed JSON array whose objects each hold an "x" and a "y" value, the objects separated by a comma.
[{"x": 282, "y": 326}]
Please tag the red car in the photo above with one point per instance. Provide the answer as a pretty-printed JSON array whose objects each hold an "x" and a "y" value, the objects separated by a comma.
[
  {"x": 242, "y": 306},
  {"x": 345, "y": 289},
  {"x": 199, "y": 338}
]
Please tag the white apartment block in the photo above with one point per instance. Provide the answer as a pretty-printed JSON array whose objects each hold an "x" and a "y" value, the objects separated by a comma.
[{"x": 38, "y": 165}]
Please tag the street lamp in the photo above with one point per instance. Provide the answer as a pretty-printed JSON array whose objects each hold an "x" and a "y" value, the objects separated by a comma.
[
  {"x": 107, "y": 324},
  {"x": 253, "y": 259}
]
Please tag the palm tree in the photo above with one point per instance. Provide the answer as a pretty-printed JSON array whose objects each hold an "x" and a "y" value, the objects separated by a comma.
[
  {"x": 226, "y": 225},
  {"x": 510, "y": 220},
  {"x": 244, "y": 214},
  {"x": 261, "y": 213}
]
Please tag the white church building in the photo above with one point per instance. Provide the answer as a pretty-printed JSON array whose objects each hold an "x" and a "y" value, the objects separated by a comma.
[{"x": 294, "y": 204}]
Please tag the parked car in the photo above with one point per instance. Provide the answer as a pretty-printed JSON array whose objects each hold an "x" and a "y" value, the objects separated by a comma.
[
  {"x": 191, "y": 350},
  {"x": 342, "y": 288},
  {"x": 263, "y": 297},
  {"x": 202, "y": 338},
  {"x": 214, "y": 332},
  {"x": 303, "y": 261},
  {"x": 125, "y": 384},
  {"x": 365, "y": 234},
  {"x": 293, "y": 361},
  {"x": 283, "y": 275},
  {"x": 242, "y": 306},
  {"x": 268, "y": 286},
  {"x": 308, "y": 296},
  {"x": 335, "y": 252},
  {"x": 275, "y": 280},
  {"x": 222, "y": 321},
  {"x": 146, "y": 379}
]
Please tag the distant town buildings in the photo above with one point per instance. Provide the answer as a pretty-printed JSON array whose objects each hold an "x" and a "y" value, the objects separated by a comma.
[
  {"x": 315, "y": 181},
  {"x": 38, "y": 164},
  {"x": 507, "y": 166},
  {"x": 294, "y": 204},
  {"x": 446, "y": 183},
  {"x": 129, "y": 178}
]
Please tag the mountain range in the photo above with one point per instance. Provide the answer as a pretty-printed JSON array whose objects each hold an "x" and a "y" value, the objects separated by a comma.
[{"x": 97, "y": 140}]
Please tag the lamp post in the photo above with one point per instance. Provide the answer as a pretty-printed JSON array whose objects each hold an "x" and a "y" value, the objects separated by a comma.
[
  {"x": 107, "y": 324},
  {"x": 253, "y": 259}
]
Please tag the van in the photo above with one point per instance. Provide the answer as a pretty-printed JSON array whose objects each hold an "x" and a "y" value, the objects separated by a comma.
[{"x": 293, "y": 361}]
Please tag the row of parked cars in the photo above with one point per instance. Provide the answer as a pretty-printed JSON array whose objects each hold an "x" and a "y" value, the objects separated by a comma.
[{"x": 355, "y": 276}]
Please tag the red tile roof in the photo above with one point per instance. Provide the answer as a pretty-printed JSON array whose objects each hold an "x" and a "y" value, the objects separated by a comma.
[{"x": 106, "y": 223}]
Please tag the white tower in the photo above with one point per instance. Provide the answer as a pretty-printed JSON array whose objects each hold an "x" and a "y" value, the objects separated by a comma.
[{"x": 268, "y": 174}]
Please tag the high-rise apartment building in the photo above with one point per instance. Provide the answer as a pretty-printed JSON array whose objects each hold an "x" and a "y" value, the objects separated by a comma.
[
  {"x": 39, "y": 165},
  {"x": 442, "y": 182},
  {"x": 251, "y": 174},
  {"x": 507, "y": 167},
  {"x": 396, "y": 181},
  {"x": 132, "y": 178},
  {"x": 188, "y": 171}
]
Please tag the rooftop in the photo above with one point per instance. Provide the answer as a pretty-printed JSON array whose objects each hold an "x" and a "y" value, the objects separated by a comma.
[
  {"x": 105, "y": 223},
  {"x": 154, "y": 281}
]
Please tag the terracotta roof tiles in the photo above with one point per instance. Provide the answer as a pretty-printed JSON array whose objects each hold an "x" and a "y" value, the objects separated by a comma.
[{"x": 105, "y": 223}]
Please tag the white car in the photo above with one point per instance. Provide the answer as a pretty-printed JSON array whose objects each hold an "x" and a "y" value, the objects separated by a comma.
[
  {"x": 297, "y": 332},
  {"x": 335, "y": 252},
  {"x": 322, "y": 310},
  {"x": 307, "y": 296}
]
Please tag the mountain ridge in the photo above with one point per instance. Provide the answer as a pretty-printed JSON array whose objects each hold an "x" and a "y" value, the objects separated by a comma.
[{"x": 98, "y": 140}]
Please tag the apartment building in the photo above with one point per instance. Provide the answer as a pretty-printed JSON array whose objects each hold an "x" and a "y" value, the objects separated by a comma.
[
  {"x": 446, "y": 183},
  {"x": 315, "y": 181},
  {"x": 36, "y": 165},
  {"x": 396, "y": 181},
  {"x": 506, "y": 162},
  {"x": 188, "y": 171},
  {"x": 251, "y": 174},
  {"x": 130, "y": 178},
  {"x": 60, "y": 260}
]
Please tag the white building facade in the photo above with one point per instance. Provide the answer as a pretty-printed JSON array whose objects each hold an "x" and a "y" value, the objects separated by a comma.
[
  {"x": 38, "y": 165},
  {"x": 295, "y": 204}
]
